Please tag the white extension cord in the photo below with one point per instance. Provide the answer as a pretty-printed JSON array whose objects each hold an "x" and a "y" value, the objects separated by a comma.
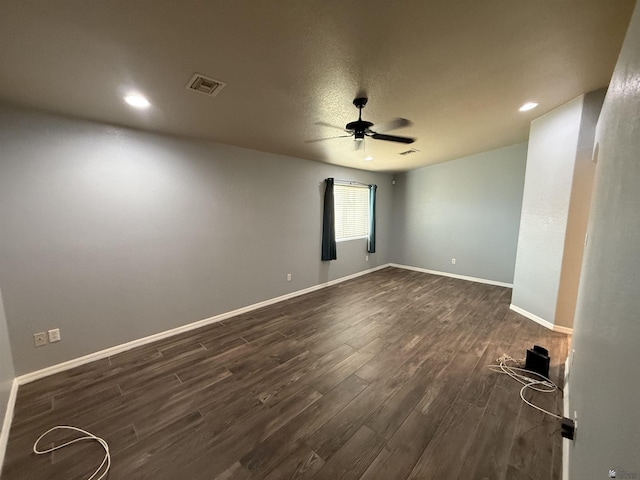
[
  {"x": 106, "y": 461},
  {"x": 521, "y": 375}
]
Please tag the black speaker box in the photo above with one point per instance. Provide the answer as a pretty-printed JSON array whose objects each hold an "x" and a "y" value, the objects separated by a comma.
[{"x": 538, "y": 361}]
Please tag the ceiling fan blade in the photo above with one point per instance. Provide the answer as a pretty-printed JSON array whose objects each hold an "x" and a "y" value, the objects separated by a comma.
[
  {"x": 359, "y": 144},
  {"x": 326, "y": 138},
  {"x": 392, "y": 138},
  {"x": 391, "y": 125},
  {"x": 325, "y": 124}
]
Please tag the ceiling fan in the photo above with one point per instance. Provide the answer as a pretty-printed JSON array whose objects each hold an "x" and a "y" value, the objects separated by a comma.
[{"x": 360, "y": 129}]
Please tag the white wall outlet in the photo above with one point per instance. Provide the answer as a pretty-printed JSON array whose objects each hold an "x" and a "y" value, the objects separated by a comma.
[
  {"x": 54, "y": 335},
  {"x": 366, "y": 258},
  {"x": 288, "y": 277},
  {"x": 453, "y": 261},
  {"x": 573, "y": 356},
  {"x": 40, "y": 339}
]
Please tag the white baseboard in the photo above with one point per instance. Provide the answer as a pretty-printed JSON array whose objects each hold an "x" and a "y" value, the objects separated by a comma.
[
  {"x": 541, "y": 321},
  {"x": 76, "y": 362},
  {"x": 531, "y": 316},
  {"x": 561, "y": 329},
  {"x": 453, "y": 275},
  {"x": 6, "y": 424}
]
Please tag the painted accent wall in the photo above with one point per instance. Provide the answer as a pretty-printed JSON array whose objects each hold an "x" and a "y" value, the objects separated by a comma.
[
  {"x": 555, "y": 210},
  {"x": 112, "y": 234},
  {"x": 467, "y": 209},
  {"x": 604, "y": 382}
]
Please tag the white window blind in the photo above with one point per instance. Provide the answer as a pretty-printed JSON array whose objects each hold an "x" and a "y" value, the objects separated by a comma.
[{"x": 352, "y": 211}]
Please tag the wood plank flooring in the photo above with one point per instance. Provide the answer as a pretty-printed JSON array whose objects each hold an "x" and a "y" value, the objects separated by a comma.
[{"x": 380, "y": 377}]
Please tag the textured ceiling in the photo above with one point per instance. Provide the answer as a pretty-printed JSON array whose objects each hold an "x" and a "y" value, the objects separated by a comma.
[{"x": 458, "y": 69}]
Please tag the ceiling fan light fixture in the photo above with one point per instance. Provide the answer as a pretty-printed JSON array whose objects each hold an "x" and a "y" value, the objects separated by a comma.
[{"x": 528, "y": 106}]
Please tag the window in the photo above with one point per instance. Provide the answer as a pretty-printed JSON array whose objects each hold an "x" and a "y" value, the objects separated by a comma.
[{"x": 351, "y": 211}]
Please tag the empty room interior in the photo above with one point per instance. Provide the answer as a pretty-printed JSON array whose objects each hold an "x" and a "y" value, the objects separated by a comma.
[{"x": 307, "y": 239}]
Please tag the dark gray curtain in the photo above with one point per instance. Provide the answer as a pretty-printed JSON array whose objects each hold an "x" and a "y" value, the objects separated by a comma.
[
  {"x": 371, "y": 244},
  {"x": 328, "y": 223}
]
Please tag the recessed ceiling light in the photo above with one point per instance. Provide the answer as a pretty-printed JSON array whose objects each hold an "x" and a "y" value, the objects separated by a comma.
[
  {"x": 528, "y": 106},
  {"x": 137, "y": 101},
  {"x": 368, "y": 159}
]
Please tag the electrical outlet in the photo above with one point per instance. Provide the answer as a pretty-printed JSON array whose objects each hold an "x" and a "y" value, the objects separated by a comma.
[
  {"x": 40, "y": 339},
  {"x": 573, "y": 355},
  {"x": 288, "y": 277},
  {"x": 366, "y": 258},
  {"x": 568, "y": 429},
  {"x": 54, "y": 335},
  {"x": 453, "y": 261}
]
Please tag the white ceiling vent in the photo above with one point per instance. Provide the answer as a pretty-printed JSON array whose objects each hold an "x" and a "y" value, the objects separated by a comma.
[
  {"x": 409, "y": 152},
  {"x": 206, "y": 85}
]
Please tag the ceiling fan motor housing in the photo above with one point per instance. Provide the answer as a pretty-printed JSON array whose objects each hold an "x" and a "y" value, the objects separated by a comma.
[{"x": 359, "y": 127}]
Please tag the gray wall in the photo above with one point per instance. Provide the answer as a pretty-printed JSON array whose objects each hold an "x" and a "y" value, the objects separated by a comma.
[
  {"x": 555, "y": 209},
  {"x": 112, "y": 234},
  {"x": 604, "y": 382},
  {"x": 579, "y": 208},
  {"x": 467, "y": 209},
  {"x": 6, "y": 367},
  {"x": 553, "y": 143}
]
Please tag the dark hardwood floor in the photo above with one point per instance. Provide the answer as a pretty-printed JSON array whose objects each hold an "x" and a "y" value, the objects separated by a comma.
[{"x": 380, "y": 377}]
